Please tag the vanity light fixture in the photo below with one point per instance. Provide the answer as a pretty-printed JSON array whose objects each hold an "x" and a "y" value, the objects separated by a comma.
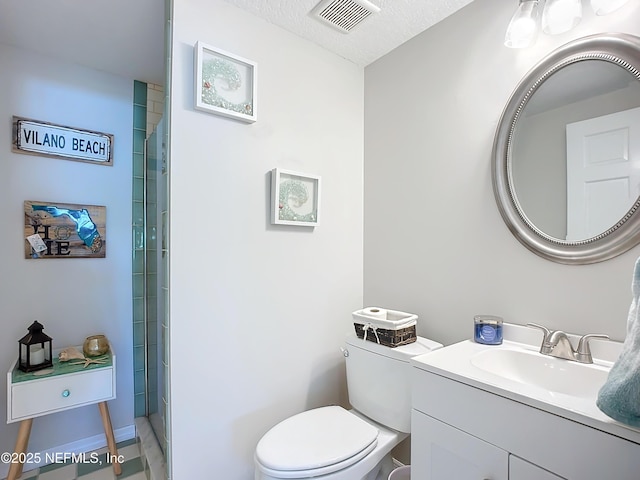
[
  {"x": 604, "y": 7},
  {"x": 558, "y": 16},
  {"x": 523, "y": 28}
]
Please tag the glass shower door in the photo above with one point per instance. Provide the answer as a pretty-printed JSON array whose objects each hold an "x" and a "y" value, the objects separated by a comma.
[{"x": 156, "y": 285}]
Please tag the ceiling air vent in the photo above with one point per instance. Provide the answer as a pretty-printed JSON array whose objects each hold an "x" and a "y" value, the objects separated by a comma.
[{"x": 344, "y": 14}]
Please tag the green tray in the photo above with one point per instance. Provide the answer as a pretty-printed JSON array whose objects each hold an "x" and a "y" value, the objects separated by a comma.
[{"x": 60, "y": 368}]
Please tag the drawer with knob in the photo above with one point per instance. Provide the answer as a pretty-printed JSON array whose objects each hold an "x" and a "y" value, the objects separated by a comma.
[{"x": 58, "y": 392}]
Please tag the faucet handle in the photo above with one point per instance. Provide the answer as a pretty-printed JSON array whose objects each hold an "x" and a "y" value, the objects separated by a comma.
[
  {"x": 583, "y": 353},
  {"x": 546, "y": 331},
  {"x": 545, "y": 346}
]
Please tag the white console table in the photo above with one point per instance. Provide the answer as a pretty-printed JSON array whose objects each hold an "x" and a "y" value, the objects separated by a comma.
[{"x": 62, "y": 387}]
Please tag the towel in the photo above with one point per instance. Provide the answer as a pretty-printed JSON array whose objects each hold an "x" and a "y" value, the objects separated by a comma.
[{"x": 619, "y": 397}]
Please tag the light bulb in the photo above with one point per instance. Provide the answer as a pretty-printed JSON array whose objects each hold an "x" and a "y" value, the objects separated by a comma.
[
  {"x": 560, "y": 16},
  {"x": 523, "y": 27},
  {"x": 604, "y": 7}
]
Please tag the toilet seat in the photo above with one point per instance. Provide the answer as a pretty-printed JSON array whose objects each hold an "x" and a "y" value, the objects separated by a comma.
[{"x": 315, "y": 442}]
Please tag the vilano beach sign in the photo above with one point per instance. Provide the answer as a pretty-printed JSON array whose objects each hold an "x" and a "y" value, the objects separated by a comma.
[{"x": 43, "y": 138}]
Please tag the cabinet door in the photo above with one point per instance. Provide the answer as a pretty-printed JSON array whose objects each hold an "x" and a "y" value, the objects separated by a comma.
[
  {"x": 441, "y": 452},
  {"x": 522, "y": 470}
]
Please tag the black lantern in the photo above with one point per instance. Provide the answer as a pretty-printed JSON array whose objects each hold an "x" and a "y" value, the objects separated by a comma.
[{"x": 35, "y": 349}]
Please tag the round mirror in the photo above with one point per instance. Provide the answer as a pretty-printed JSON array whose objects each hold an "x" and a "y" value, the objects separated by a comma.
[{"x": 566, "y": 156}]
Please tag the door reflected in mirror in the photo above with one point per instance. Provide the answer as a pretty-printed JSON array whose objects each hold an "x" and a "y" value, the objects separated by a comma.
[{"x": 575, "y": 158}]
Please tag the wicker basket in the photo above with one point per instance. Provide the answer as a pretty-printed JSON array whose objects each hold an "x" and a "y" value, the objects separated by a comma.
[
  {"x": 390, "y": 338},
  {"x": 397, "y": 328}
]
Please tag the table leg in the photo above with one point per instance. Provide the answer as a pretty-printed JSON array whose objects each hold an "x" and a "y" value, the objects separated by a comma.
[
  {"x": 15, "y": 470},
  {"x": 111, "y": 441}
]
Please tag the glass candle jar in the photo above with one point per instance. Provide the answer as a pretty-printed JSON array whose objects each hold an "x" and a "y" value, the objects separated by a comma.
[{"x": 488, "y": 329}]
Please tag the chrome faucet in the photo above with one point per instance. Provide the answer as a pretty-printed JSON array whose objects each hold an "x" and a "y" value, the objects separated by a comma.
[{"x": 557, "y": 344}]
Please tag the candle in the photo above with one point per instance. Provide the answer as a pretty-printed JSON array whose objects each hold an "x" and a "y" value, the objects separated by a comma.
[
  {"x": 37, "y": 355},
  {"x": 488, "y": 329}
]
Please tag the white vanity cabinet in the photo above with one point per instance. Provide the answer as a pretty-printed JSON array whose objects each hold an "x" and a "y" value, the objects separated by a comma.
[
  {"x": 441, "y": 452},
  {"x": 522, "y": 470},
  {"x": 462, "y": 432},
  {"x": 446, "y": 453}
]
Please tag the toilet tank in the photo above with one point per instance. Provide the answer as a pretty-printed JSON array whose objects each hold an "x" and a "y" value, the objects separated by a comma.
[{"x": 379, "y": 379}]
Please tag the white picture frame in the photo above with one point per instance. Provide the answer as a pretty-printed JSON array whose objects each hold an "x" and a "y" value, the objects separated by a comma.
[
  {"x": 295, "y": 198},
  {"x": 225, "y": 84}
]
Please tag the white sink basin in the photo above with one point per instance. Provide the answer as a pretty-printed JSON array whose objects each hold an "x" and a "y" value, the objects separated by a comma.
[
  {"x": 517, "y": 370},
  {"x": 549, "y": 373}
]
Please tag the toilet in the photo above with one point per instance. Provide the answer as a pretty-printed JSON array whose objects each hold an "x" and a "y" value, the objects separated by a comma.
[{"x": 332, "y": 443}]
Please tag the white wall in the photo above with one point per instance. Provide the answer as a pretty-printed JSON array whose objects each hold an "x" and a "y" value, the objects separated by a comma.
[
  {"x": 258, "y": 312},
  {"x": 435, "y": 243},
  {"x": 72, "y": 298}
]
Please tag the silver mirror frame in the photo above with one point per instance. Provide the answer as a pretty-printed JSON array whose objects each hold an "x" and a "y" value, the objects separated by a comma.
[{"x": 617, "y": 48}]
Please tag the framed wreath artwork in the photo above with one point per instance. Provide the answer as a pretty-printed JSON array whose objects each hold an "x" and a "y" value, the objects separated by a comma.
[
  {"x": 225, "y": 83},
  {"x": 295, "y": 198}
]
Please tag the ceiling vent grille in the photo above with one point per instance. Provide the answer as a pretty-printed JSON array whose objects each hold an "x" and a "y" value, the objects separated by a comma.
[{"x": 344, "y": 14}]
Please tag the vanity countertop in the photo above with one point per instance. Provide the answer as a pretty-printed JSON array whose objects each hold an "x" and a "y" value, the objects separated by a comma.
[{"x": 574, "y": 398}]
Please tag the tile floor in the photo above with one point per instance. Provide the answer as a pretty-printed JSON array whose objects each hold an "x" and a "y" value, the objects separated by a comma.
[{"x": 132, "y": 468}]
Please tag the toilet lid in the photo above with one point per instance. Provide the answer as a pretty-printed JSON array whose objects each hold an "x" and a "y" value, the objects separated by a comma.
[{"x": 315, "y": 439}]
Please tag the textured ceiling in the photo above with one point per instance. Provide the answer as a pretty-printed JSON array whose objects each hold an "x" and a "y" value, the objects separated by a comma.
[
  {"x": 397, "y": 22},
  {"x": 125, "y": 37}
]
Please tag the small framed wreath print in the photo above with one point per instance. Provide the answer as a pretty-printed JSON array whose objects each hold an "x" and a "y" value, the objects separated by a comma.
[
  {"x": 225, "y": 83},
  {"x": 295, "y": 198}
]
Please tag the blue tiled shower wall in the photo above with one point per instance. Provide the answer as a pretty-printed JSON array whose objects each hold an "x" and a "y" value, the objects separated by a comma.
[
  {"x": 150, "y": 257},
  {"x": 139, "y": 237}
]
